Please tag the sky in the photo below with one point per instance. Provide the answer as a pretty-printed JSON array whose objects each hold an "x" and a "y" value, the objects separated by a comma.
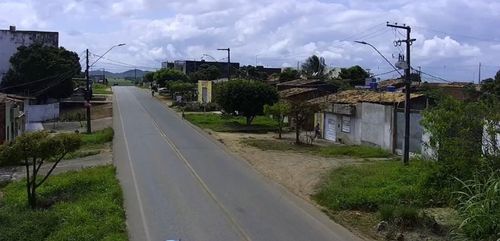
[{"x": 452, "y": 36}]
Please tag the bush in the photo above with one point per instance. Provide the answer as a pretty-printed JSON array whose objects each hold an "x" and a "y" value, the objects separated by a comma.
[{"x": 197, "y": 107}]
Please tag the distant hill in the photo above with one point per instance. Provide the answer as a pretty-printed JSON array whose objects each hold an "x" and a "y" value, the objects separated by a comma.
[{"x": 123, "y": 75}]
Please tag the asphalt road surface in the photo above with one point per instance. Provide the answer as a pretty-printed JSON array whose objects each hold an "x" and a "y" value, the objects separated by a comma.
[{"x": 178, "y": 183}]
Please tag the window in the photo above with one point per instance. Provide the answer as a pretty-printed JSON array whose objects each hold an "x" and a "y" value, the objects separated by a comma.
[{"x": 346, "y": 124}]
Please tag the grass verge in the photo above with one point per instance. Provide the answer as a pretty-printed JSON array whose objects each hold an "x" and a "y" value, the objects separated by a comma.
[
  {"x": 92, "y": 144},
  {"x": 219, "y": 123},
  {"x": 101, "y": 89},
  {"x": 326, "y": 151},
  {"x": 372, "y": 185},
  {"x": 84, "y": 205}
]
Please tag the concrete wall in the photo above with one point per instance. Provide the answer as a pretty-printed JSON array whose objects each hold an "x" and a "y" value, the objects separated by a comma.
[
  {"x": 38, "y": 113},
  {"x": 11, "y": 40},
  {"x": 416, "y": 133},
  {"x": 376, "y": 125}
]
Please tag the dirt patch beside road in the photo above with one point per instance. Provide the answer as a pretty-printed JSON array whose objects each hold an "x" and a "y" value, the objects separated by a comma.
[{"x": 300, "y": 173}]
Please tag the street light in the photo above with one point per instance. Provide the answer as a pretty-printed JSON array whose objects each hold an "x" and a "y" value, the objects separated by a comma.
[
  {"x": 389, "y": 62},
  {"x": 228, "y": 62},
  {"x": 100, "y": 57},
  {"x": 89, "y": 91}
]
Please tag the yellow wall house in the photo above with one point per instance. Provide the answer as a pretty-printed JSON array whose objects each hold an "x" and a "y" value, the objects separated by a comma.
[{"x": 204, "y": 91}]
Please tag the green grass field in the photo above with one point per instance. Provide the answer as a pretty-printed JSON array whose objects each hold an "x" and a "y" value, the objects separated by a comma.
[
  {"x": 326, "y": 151},
  {"x": 84, "y": 205},
  {"x": 120, "y": 82},
  {"x": 218, "y": 123}
]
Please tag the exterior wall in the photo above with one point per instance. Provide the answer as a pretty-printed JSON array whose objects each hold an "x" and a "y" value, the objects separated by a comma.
[
  {"x": 416, "y": 132},
  {"x": 39, "y": 113},
  {"x": 11, "y": 40},
  {"x": 376, "y": 125},
  {"x": 204, "y": 84}
]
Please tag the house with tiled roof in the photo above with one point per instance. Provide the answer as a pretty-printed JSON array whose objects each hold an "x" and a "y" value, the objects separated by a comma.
[{"x": 363, "y": 117}]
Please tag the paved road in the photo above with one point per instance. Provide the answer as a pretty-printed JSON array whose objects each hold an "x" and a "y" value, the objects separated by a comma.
[{"x": 180, "y": 184}]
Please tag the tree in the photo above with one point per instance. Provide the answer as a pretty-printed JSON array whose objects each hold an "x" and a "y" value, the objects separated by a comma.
[
  {"x": 163, "y": 75},
  {"x": 36, "y": 148},
  {"x": 279, "y": 111},
  {"x": 254, "y": 72},
  {"x": 289, "y": 74},
  {"x": 301, "y": 111},
  {"x": 149, "y": 77},
  {"x": 490, "y": 88},
  {"x": 206, "y": 72},
  {"x": 355, "y": 74},
  {"x": 182, "y": 88},
  {"x": 42, "y": 71},
  {"x": 314, "y": 67},
  {"x": 245, "y": 97}
]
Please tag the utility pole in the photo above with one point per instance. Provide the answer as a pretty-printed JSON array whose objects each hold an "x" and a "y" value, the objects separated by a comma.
[
  {"x": 88, "y": 95},
  {"x": 135, "y": 75},
  {"x": 408, "y": 41},
  {"x": 228, "y": 62},
  {"x": 479, "y": 77}
]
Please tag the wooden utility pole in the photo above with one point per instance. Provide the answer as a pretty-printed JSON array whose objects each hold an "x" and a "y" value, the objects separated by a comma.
[{"x": 408, "y": 41}]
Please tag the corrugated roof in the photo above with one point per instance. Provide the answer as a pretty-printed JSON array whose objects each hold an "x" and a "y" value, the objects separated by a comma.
[
  {"x": 357, "y": 96},
  {"x": 300, "y": 82},
  {"x": 294, "y": 91}
]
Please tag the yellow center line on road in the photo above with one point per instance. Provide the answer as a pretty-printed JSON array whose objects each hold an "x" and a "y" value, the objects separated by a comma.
[
  {"x": 134, "y": 179},
  {"x": 202, "y": 183}
]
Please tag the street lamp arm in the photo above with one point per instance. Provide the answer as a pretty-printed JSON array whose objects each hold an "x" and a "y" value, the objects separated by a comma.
[
  {"x": 389, "y": 62},
  {"x": 100, "y": 57}
]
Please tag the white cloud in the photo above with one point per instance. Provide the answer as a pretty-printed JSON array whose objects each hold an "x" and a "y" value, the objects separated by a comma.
[{"x": 280, "y": 33}]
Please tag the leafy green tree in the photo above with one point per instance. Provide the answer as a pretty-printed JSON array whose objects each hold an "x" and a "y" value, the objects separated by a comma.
[
  {"x": 245, "y": 97},
  {"x": 149, "y": 77},
  {"x": 164, "y": 75},
  {"x": 253, "y": 73},
  {"x": 300, "y": 112},
  {"x": 42, "y": 71},
  {"x": 184, "y": 89},
  {"x": 206, "y": 72},
  {"x": 33, "y": 150},
  {"x": 279, "y": 111},
  {"x": 314, "y": 67},
  {"x": 289, "y": 74},
  {"x": 355, "y": 74}
]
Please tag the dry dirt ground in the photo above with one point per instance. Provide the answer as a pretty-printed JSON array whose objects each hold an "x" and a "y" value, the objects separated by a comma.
[{"x": 300, "y": 173}]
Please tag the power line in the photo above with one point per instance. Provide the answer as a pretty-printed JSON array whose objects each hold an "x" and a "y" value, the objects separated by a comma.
[
  {"x": 459, "y": 35},
  {"x": 35, "y": 81}
]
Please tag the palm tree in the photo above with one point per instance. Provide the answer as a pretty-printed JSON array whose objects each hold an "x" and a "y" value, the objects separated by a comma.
[{"x": 314, "y": 67}]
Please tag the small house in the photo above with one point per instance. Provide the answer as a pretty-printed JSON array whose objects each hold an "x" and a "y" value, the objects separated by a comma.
[{"x": 362, "y": 117}]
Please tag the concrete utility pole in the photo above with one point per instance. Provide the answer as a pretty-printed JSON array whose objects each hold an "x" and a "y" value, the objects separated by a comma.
[
  {"x": 88, "y": 94},
  {"x": 479, "y": 77},
  {"x": 228, "y": 62},
  {"x": 408, "y": 41},
  {"x": 135, "y": 75}
]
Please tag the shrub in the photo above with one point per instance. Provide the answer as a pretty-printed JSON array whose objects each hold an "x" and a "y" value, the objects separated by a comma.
[{"x": 98, "y": 137}]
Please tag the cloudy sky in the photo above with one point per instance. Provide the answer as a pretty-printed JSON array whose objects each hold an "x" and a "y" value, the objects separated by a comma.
[{"x": 453, "y": 36}]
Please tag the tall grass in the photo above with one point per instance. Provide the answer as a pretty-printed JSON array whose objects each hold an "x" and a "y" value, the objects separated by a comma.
[
  {"x": 479, "y": 206},
  {"x": 98, "y": 137}
]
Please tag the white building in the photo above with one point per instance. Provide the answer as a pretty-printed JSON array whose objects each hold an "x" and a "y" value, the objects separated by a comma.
[{"x": 11, "y": 39}]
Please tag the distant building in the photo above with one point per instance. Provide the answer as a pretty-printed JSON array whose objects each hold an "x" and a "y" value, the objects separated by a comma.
[
  {"x": 191, "y": 66},
  {"x": 167, "y": 65},
  {"x": 11, "y": 39}
]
